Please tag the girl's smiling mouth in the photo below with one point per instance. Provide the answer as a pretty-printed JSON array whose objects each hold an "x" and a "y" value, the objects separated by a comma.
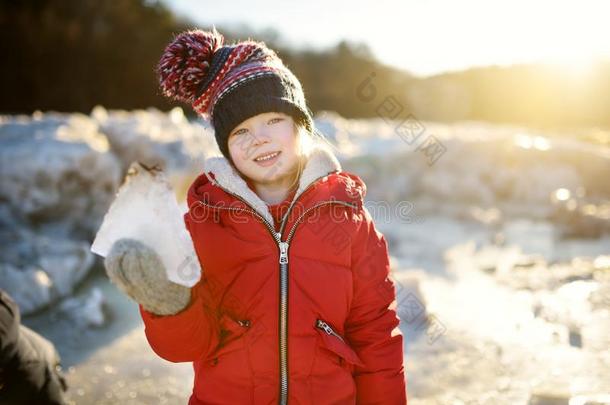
[{"x": 267, "y": 159}]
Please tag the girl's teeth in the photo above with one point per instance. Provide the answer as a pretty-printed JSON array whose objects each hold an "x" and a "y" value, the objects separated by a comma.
[{"x": 267, "y": 157}]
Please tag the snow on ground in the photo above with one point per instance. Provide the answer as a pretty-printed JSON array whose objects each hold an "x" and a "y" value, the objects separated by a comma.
[{"x": 500, "y": 252}]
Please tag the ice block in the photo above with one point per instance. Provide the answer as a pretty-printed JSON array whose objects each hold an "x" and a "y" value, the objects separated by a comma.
[{"x": 145, "y": 209}]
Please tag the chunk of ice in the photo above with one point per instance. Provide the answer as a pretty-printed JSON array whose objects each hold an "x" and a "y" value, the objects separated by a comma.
[{"x": 145, "y": 209}]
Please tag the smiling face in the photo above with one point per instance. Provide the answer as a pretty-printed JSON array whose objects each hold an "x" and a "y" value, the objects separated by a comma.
[{"x": 265, "y": 149}]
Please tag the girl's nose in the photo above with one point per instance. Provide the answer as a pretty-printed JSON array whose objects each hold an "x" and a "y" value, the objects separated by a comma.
[{"x": 260, "y": 137}]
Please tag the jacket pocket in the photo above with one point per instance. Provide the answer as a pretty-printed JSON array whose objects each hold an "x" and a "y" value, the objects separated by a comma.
[
  {"x": 231, "y": 329},
  {"x": 216, "y": 376},
  {"x": 337, "y": 344},
  {"x": 235, "y": 327}
]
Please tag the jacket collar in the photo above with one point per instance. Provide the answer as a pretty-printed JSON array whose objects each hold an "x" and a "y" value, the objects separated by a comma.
[{"x": 320, "y": 162}]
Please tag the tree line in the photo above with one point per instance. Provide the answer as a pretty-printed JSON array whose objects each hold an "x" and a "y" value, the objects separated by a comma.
[{"x": 71, "y": 55}]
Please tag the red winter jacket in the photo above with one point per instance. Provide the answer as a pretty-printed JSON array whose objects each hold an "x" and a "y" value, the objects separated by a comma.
[{"x": 301, "y": 316}]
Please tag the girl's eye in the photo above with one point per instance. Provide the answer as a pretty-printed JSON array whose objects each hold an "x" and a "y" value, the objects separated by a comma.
[{"x": 243, "y": 130}]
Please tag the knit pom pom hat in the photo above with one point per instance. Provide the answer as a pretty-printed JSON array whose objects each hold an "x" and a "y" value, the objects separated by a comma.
[{"x": 228, "y": 84}]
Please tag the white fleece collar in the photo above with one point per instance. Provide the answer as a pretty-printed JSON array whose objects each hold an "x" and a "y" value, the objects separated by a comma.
[{"x": 320, "y": 162}]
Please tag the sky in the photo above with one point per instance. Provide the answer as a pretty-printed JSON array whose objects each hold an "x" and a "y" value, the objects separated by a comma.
[{"x": 432, "y": 36}]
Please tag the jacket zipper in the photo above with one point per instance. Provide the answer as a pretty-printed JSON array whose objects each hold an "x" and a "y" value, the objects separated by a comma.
[
  {"x": 284, "y": 297},
  {"x": 326, "y": 327},
  {"x": 283, "y": 261}
]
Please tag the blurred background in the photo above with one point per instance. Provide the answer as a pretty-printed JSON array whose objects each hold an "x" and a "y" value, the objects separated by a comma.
[{"x": 482, "y": 131}]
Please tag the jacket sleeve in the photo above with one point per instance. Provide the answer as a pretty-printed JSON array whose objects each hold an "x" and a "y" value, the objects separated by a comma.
[
  {"x": 29, "y": 362},
  {"x": 372, "y": 324},
  {"x": 189, "y": 335}
]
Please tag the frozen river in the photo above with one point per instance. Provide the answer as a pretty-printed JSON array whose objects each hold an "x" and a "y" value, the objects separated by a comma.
[{"x": 501, "y": 261}]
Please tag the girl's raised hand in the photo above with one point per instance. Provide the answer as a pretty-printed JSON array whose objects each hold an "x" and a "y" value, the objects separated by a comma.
[{"x": 138, "y": 271}]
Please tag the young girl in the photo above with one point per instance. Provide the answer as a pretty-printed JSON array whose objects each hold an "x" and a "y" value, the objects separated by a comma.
[{"x": 294, "y": 305}]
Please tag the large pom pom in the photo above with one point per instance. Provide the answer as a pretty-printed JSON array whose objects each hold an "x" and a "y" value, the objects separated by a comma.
[{"x": 185, "y": 63}]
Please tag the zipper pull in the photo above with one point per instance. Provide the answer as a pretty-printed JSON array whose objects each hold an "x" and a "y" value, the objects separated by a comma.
[
  {"x": 283, "y": 252},
  {"x": 323, "y": 325}
]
